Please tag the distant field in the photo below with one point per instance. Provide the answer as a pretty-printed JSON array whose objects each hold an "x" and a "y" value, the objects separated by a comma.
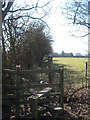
[
  {"x": 76, "y": 79},
  {"x": 73, "y": 63}
]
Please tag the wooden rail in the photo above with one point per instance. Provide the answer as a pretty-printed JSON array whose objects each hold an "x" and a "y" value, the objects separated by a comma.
[
  {"x": 30, "y": 71},
  {"x": 32, "y": 86}
]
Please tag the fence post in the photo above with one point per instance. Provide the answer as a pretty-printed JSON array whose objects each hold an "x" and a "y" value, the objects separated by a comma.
[
  {"x": 34, "y": 107},
  {"x": 61, "y": 85},
  {"x": 0, "y": 59},
  {"x": 17, "y": 95},
  {"x": 86, "y": 73},
  {"x": 49, "y": 67}
]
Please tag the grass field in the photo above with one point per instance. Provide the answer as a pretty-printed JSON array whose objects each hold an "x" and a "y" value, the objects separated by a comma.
[
  {"x": 72, "y": 63},
  {"x": 78, "y": 65}
]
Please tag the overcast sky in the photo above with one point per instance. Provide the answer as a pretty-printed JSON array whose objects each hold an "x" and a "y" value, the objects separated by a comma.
[{"x": 62, "y": 31}]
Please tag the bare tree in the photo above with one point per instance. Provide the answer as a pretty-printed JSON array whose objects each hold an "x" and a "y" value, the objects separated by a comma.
[
  {"x": 22, "y": 16},
  {"x": 34, "y": 42},
  {"x": 77, "y": 12}
]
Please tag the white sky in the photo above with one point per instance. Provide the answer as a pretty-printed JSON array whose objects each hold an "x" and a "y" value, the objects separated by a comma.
[{"x": 62, "y": 31}]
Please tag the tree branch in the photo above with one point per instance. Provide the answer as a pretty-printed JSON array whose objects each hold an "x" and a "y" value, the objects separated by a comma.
[{"x": 4, "y": 13}]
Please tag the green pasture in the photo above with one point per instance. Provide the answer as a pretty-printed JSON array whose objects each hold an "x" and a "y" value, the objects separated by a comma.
[
  {"x": 74, "y": 70},
  {"x": 77, "y": 64}
]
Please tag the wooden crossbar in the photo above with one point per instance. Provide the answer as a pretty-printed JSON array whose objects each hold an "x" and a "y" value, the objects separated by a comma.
[
  {"x": 40, "y": 93},
  {"x": 44, "y": 91}
]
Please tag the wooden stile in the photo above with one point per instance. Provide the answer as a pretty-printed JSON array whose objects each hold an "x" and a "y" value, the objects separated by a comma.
[{"x": 17, "y": 97}]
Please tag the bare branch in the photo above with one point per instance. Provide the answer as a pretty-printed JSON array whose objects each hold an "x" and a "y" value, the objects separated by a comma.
[
  {"x": 30, "y": 8},
  {"x": 76, "y": 11},
  {"x": 79, "y": 36},
  {"x": 4, "y": 13}
]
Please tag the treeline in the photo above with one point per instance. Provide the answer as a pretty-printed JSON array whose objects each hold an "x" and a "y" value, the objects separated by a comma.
[{"x": 63, "y": 54}]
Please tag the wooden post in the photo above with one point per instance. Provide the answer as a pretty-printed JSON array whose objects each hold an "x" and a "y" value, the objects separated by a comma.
[
  {"x": 86, "y": 74},
  {"x": 61, "y": 86},
  {"x": 0, "y": 60},
  {"x": 34, "y": 108},
  {"x": 49, "y": 67},
  {"x": 17, "y": 95}
]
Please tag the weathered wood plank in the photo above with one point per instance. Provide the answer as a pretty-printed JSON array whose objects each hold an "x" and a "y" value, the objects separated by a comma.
[
  {"x": 31, "y": 86},
  {"x": 9, "y": 71},
  {"x": 44, "y": 91},
  {"x": 44, "y": 85},
  {"x": 53, "y": 94},
  {"x": 40, "y": 93},
  {"x": 30, "y": 71}
]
